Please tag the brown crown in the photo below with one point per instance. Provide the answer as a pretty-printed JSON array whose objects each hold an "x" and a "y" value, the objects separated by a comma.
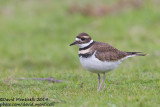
[
  {"x": 85, "y": 38},
  {"x": 82, "y": 34}
]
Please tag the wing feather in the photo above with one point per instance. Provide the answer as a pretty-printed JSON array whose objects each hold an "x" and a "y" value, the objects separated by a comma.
[{"x": 106, "y": 52}]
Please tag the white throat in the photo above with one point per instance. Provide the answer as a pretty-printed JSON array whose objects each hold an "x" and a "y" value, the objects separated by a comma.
[{"x": 84, "y": 44}]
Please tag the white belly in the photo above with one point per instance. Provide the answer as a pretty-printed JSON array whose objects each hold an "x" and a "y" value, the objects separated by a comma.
[{"x": 94, "y": 65}]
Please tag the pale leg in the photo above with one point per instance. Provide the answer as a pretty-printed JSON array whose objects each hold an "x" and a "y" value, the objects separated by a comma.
[
  {"x": 104, "y": 77},
  {"x": 98, "y": 80}
]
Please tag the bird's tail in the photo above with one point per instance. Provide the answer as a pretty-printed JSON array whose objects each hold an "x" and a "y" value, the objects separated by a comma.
[{"x": 135, "y": 54}]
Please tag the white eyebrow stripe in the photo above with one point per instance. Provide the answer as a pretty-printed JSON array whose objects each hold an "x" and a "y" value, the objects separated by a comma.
[
  {"x": 86, "y": 36},
  {"x": 77, "y": 39}
]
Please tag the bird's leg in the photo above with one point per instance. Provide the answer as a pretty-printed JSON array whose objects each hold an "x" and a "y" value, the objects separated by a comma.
[
  {"x": 98, "y": 80},
  {"x": 104, "y": 77},
  {"x": 104, "y": 87}
]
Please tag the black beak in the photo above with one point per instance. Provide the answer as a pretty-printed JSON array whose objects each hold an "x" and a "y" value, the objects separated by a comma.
[{"x": 73, "y": 43}]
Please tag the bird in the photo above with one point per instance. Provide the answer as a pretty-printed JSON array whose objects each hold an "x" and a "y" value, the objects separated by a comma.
[{"x": 98, "y": 57}]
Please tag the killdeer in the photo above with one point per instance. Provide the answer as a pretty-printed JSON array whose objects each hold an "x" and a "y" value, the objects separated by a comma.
[{"x": 99, "y": 57}]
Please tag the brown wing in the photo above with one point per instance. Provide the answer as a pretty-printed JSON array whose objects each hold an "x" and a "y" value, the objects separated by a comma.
[{"x": 106, "y": 52}]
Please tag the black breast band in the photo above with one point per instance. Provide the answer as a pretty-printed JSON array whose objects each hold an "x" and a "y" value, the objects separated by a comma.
[
  {"x": 85, "y": 55},
  {"x": 86, "y": 46}
]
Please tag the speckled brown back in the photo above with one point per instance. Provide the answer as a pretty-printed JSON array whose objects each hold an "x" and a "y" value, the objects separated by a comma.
[{"x": 106, "y": 52}]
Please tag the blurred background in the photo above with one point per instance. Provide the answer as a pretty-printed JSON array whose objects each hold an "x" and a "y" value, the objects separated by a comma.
[
  {"x": 35, "y": 35},
  {"x": 34, "y": 42}
]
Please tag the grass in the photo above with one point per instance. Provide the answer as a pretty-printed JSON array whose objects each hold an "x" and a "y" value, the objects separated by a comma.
[{"x": 34, "y": 42}]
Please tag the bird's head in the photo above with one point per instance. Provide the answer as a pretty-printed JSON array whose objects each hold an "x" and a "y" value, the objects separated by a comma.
[{"x": 82, "y": 40}]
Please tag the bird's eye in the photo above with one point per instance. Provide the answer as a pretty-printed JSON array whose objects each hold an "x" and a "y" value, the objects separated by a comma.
[{"x": 82, "y": 39}]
